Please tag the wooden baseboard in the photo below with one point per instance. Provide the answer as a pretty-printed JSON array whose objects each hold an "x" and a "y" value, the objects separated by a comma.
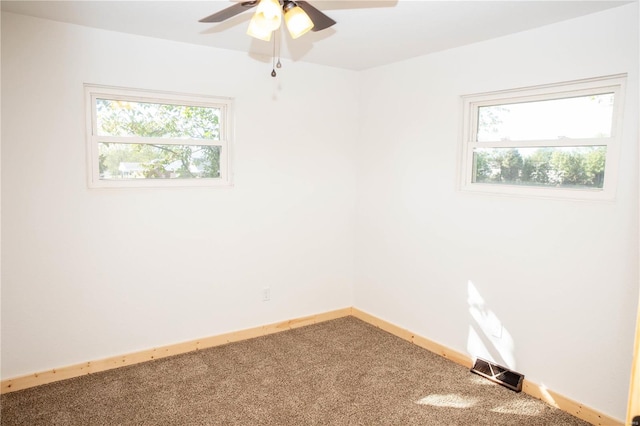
[
  {"x": 572, "y": 407},
  {"x": 537, "y": 391},
  {"x": 49, "y": 376},
  {"x": 430, "y": 345},
  {"x": 633, "y": 408},
  {"x": 553, "y": 398}
]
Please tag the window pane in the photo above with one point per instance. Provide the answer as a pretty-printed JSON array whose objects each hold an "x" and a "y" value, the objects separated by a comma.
[
  {"x": 569, "y": 167},
  {"x": 578, "y": 118},
  {"x": 118, "y": 161},
  {"x": 127, "y": 118}
]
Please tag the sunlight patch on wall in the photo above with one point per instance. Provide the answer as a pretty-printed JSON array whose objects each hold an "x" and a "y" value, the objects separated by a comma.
[
  {"x": 546, "y": 396},
  {"x": 488, "y": 338},
  {"x": 475, "y": 345},
  {"x": 449, "y": 400}
]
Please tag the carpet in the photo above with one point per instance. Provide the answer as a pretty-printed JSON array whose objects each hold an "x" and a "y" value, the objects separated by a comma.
[{"x": 339, "y": 372}]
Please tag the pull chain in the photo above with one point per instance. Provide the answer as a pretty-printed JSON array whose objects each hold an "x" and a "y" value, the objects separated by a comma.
[
  {"x": 273, "y": 62},
  {"x": 279, "y": 65}
]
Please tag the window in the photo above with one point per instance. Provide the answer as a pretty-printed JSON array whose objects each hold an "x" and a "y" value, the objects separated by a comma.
[
  {"x": 558, "y": 140},
  {"x": 144, "y": 139}
]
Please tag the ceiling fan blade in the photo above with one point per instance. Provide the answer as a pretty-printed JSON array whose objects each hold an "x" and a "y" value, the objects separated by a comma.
[
  {"x": 230, "y": 11},
  {"x": 319, "y": 19}
]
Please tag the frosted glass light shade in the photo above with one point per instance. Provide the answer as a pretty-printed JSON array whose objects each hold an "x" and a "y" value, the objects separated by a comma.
[
  {"x": 258, "y": 29},
  {"x": 297, "y": 21},
  {"x": 270, "y": 14}
]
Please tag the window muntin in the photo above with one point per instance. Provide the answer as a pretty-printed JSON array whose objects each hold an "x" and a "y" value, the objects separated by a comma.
[
  {"x": 557, "y": 141},
  {"x": 140, "y": 139}
]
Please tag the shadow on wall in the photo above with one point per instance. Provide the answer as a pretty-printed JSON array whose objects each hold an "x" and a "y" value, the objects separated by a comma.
[{"x": 488, "y": 338}]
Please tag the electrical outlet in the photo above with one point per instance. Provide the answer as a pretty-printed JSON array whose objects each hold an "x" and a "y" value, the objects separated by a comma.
[{"x": 266, "y": 294}]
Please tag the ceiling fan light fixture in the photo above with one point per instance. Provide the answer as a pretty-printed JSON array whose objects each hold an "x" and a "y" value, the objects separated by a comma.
[
  {"x": 258, "y": 29},
  {"x": 270, "y": 13},
  {"x": 296, "y": 19}
]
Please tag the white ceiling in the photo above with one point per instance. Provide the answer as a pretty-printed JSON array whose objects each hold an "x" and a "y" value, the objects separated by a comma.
[{"x": 368, "y": 33}]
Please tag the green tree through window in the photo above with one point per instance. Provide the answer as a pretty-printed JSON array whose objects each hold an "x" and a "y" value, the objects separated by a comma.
[
  {"x": 157, "y": 121},
  {"x": 554, "y": 167},
  {"x": 557, "y": 140}
]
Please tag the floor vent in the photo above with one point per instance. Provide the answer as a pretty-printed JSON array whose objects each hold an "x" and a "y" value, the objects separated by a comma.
[{"x": 498, "y": 374}]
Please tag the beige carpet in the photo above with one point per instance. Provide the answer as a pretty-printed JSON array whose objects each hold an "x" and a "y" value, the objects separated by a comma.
[{"x": 341, "y": 372}]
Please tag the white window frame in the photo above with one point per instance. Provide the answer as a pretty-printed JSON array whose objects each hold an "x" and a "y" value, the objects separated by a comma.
[
  {"x": 225, "y": 105},
  {"x": 609, "y": 84}
]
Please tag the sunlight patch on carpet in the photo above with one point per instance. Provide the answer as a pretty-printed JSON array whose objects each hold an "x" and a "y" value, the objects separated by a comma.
[
  {"x": 449, "y": 400},
  {"x": 525, "y": 408},
  {"x": 478, "y": 380}
]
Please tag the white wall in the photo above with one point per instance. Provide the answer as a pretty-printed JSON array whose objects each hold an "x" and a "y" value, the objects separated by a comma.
[
  {"x": 560, "y": 276},
  {"x": 93, "y": 273}
]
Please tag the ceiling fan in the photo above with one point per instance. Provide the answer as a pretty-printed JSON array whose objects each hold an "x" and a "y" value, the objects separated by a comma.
[{"x": 299, "y": 16}]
